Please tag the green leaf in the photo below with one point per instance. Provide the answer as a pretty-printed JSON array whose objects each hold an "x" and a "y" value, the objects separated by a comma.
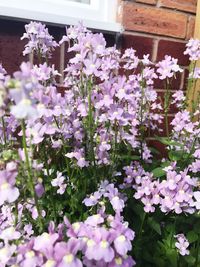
[
  {"x": 190, "y": 260},
  {"x": 158, "y": 172},
  {"x": 154, "y": 225},
  {"x": 176, "y": 155},
  {"x": 192, "y": 237},
  {"x": 172, "y": 257},
  {"x": 167, "y": 141},
  {"x": 134, "y": 157}
]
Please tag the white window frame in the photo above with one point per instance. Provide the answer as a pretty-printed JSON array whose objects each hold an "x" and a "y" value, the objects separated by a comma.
[{"x": 99, "y": 14}]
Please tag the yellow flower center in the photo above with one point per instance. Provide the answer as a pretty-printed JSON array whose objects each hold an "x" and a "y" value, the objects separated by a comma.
[
  {"x": 46, "y": 236},
  {"x": 26, "y": 102},
  {"x": 90, "y": 243},
  {"x": 118, "y": 261},
  {"x": 121, "y": 238},
  {"x": 50, "y": 263},
  {"x": 104, "y": 244},
  {"x": 30, "y": 254},
  {"x": 5, "y": 186},
  {"x": 68, "y": 258},
  {"x": 3, "y": 252},
  {"x": 76, "y": 226}
]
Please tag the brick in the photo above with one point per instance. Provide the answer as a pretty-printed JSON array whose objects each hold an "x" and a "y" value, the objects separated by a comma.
[
  {"x": 154, "y": 20},
  {"x": 151, "y": 2},
  {"x": 186, "y": 75},
  {"x": 162, "y": 150},
  {"x": 11, "y": 47},
  {"x": 142, "y": 45},
  {"x": 190, "y": 27},
  {"x": 174, "y": 49},
  {"x": 184, "y": 5}
]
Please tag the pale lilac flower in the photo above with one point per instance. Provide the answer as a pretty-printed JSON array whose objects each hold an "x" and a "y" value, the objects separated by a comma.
[
  {"x": 193, "y": 49},
  {"x": 122, "y": 245},
  {"x": 182, "y": 244},
  {"x": 178, "y": 98},
  {"x": 9, "y": 233},
  {"x": 59, "y": 182},
  {"x": 130, "y": 59},
  {"x": 197, "y": 198},
  {"x": 28, "y": 229},
  {"x": 168, "y": 67},
  {"x": 34, "y": 213},
  {"x": 6, "y": 253},
  {"x": 39, "y": 40},
  {"x": 78, "y": 155},
  {"x": 65, "y": 253},
  {"x": 195, "y": 74},
  {"x": 3, "y": 72},
  {"x": 8, "y": 192},
  {"x": 94, "y": 220},
  {"x": 45, "y": 243}
]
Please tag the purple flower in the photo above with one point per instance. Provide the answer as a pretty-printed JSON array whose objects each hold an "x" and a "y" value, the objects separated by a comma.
[
  {"x": 182, "y": 244},
  {"x": 122, "y": 245},
  {"x": 3, "y": 72},
  {"x": 94, "y": 220},
  {"x": 8, "y": 192},
  {"x": 197, "y": 198},
  {"x": 65, "y": 253},
  {"x": 59, "y": 182},
  {"x": 40, "y": 41},
  {"x": 6, "y": 253},
  {"x": 193, "y": 49},
  {"x": 9, "y": 233},
  {"x": 45, "y": 243},
  {"x": 168, "y": 67}
]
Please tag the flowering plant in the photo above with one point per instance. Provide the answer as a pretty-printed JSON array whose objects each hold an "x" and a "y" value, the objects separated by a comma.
[{"x": 80, "y": 184}]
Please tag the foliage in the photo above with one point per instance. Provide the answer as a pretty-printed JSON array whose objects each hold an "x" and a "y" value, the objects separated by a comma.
[{"x": 80, "y": 184}]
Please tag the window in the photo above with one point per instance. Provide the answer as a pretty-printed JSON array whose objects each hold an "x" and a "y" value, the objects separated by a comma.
[
  {"x": 80, "y": 1},
  {"x": 96, "y": 14}
]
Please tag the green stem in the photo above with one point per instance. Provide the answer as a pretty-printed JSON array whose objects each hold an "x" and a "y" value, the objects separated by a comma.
[
  {"x": 4, "y": 130},
  {"x": 64, "y": 148},
  {"x": 197, "y": 254},
  {"x": 166, "y": 107},
  {"x": 141, "y": 226},
  {"x": 51, "y": 198},
  {"x": 90, "y": 123},
  {"x": 16, "y": 213},
  {"x": 30, "y": 176}
]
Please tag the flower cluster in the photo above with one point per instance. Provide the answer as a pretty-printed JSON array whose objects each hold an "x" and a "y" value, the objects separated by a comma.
[
  {"x": 173, "y": 194},
  {"x": 182, "y": 244},
  {"x": 8, "y": 191},
  {"x": 83, "y": 155},
  {"x": 102, "y": 239},
  {"x": 40, "y": 41},
  {"x": 109, "y": 192},
  {"x": 193, "y": 49}
]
